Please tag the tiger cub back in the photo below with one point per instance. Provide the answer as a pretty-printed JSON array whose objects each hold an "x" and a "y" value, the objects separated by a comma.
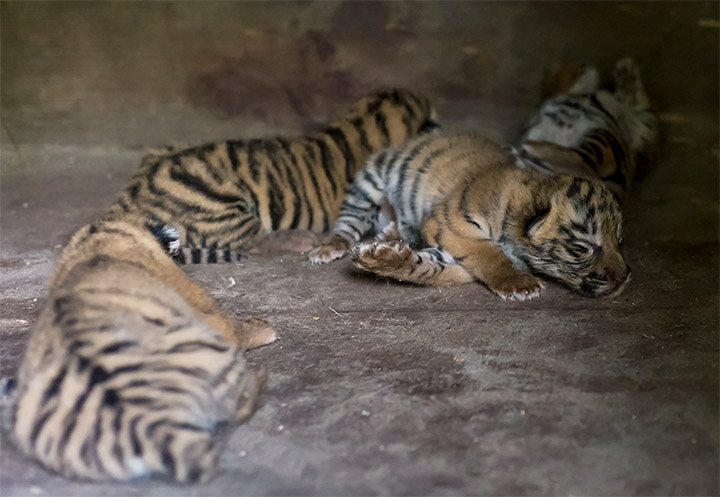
[
  {"x": 130, "y": 370},
  {"x": 583, "y": 129},
  {"x": 228, "y": 194}
]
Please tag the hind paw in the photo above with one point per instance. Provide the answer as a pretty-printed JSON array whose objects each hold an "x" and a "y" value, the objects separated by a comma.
[
  {"x": 628, "y": 84},
  {"x": 389, "y": 233},
  {"x": 256, "y": 332},
  {"x": 382, "y": 257},
  {"x": 334, "y": 248}
]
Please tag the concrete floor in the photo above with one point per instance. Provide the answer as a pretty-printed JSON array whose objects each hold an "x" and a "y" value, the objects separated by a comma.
[{"x": 378, "y": 388}]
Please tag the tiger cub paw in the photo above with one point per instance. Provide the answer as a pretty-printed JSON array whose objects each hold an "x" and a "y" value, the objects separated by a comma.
[
  {"x": 381, "y": 257},
  {"x": 517, "y": 286},
  {"x": 389, "y": 233},
  {"x": 255, "y": 332},
  {"x": 331, "y": 249}
]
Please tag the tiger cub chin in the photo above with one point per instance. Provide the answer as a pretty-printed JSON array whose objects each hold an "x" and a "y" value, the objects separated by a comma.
[
  {"x": 229, "y": 195},
  {"x": 465, "y": 212},
  {"x": 131, "y": 369},
  {"x": 584, "y": 129}
]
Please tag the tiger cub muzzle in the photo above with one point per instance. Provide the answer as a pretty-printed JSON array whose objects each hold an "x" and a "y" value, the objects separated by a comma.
[{"x": 577, "y": 241}]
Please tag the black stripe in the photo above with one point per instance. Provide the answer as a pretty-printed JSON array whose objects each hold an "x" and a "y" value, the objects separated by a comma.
[
  {"x": 196, "y": 345},
  {"x": 427, "y": 163},
  {"x": 253, "y": 165},
  {"x": 37, "y": 427},
  {"x": 338, "y": 137},
  {"x": 276, "y": 205},
  {"x": 167, "y": 458},
  {"x": 301, "y": 196},
  {"x": 326, "y": 162},
  {"x": 381, "y": 123},
  {"x": 134, "y": 439},
  {"x": 117, "y": 347},
  {"x": 293, "y": 186},
  {"x": 196, "y": 255},
  {"x": 359, "y": 125},
  {"x": 212, "y": 256},
  {"x": 54, "y": 387},
  {"x": 309, "y": 162},
  {"x": 197, "y": 184},
  {"x": 231, "y": 149}
]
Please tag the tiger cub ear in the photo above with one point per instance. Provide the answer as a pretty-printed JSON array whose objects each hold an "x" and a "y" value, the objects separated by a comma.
[
  {"x": 560, "y": 160},
  {"x": 536, "y": 219}
]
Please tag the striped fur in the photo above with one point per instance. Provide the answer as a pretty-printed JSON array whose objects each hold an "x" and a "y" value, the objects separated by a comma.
[
  {"x": 131, "y": 369},
  {"x": 584, "y": 130},
  {"x": 226, "y": 195},
  {"x": 464, "y": 212}
]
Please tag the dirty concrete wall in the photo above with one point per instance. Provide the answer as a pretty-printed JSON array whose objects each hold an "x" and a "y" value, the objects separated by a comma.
[{"x": 140, "y": 73}]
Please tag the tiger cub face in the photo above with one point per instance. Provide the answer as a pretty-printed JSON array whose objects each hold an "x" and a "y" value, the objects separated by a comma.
[{"x": 577, "y": 238}]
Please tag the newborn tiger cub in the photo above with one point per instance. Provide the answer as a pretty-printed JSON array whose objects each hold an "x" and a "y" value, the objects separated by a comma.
[
  {"x": 465, "y": 212},
  {"x": 131, "y": 369},
  {"x": 585, "y": 130},
  {"x": 229, "y": 195}
]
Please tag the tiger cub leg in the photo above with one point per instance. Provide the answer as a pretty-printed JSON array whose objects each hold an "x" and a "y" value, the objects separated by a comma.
[
  {"x": 488, "y": 263},
  {"x": 254, "y": 332},
  {"x": 389, "y": 233},
  {"x": 361, "y": 207},
  {"x": 398, "y": 260},
  {"x": 629, "y": 88}
]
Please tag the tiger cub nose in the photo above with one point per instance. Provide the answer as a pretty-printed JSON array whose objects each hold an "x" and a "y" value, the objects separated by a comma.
[{"x": 619, "y": 276}]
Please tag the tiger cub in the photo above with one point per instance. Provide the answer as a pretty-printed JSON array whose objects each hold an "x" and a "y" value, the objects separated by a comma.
[
  {"x": 585, "y": 130},
  {"x": 465, "y": 212},
  {"x": 225, "y": 195},
  {"x": 131, "y": 369}
]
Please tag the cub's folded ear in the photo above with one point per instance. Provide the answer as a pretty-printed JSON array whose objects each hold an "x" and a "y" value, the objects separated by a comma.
[
  {"x": 429, "y": 126},
  {"x": 536, "y": 219}
]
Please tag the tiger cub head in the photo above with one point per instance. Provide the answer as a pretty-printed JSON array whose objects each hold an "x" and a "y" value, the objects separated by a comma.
[{"x": 574, "y": 235}]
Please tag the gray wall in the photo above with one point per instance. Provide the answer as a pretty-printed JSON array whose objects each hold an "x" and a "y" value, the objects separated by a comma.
[{"x": 141, "y": 73}]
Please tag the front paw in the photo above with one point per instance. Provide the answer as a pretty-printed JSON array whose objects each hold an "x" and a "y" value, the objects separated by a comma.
[
  {"x": 517, "y": 286},
  {"x": 381, "y": 256},
  {"x": 328, "y": 251},
  {"x": 389, "y": 233},
  {"x": 256, "y": 332}
]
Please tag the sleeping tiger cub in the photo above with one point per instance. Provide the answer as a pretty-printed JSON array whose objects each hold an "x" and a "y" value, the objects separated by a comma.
[
  {"x": 131, "y": 369},
  {"x": 584, "y": 130},
  {"x": 465, "y": 212},
  {"x": 225, "y": 195}
]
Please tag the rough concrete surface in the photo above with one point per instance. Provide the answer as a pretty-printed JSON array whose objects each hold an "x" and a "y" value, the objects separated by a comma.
[{"x": 379, "y": 388}]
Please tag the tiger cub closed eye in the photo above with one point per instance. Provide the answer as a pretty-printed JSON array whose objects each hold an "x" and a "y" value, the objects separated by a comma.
[
  {"x": 229, "y": 195},
  {"x": 465, "y": 212},
  {"x": 131, "y": 369}
]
